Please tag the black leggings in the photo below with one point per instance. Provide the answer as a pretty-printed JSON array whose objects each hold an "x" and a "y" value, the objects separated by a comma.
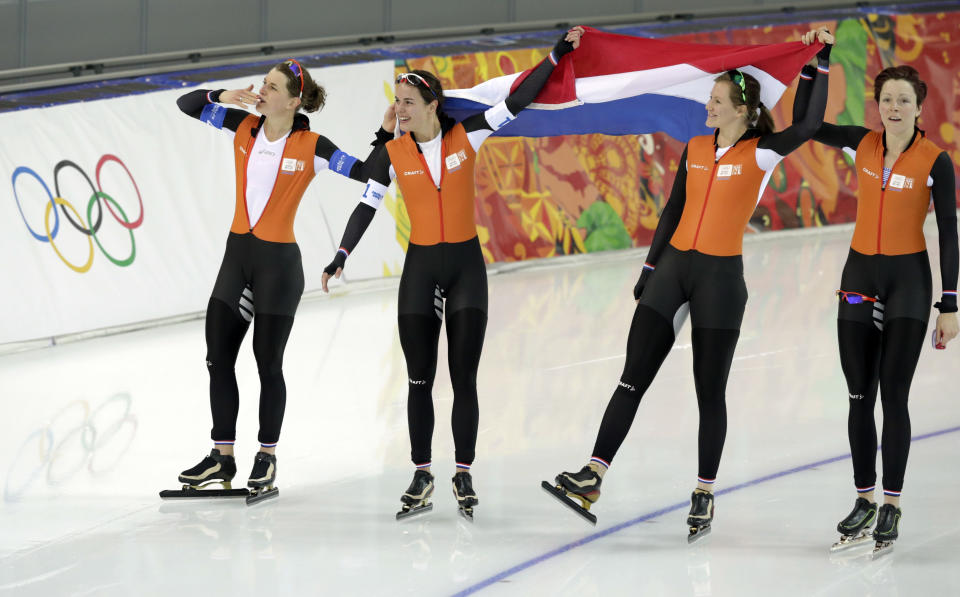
[
  {"x": 263, "y": 282},
  {"x": 451, "y": 275},
  {"x": 880, "y": 346},
  {"x": 717, "y": 295}
]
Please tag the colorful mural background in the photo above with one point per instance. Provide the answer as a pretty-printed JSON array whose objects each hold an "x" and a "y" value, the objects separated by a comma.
[{"x": 576, "y": 194}]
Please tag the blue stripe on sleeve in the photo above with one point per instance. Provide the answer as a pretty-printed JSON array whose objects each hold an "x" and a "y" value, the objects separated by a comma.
[
  {"x": 342, "y": 163},
  {"x": 213, "y": 114}
]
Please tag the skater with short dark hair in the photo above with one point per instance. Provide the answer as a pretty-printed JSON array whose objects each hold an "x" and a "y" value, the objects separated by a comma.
[{"x": 886, "y": 287}]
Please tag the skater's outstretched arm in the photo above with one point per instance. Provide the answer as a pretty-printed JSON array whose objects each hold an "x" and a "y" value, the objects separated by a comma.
[
  {"x": 204, "y": 105},
  {"x": 363, "y": 214},
  {"x": 480, "y": 126}
]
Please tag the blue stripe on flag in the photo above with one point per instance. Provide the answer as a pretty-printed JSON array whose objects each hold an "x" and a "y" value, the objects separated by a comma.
[{"x": 678, "y": 117}]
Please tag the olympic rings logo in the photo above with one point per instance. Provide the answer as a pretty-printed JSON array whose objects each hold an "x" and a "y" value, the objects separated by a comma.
[
  {"x": 76, "y": 220},
  {"x": 78, "y": 437}
]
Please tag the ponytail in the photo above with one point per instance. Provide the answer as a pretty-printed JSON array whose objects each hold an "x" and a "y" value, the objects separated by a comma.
[
  {"x": 312, "y": 95},
  {"x": 764, "y": 120}
]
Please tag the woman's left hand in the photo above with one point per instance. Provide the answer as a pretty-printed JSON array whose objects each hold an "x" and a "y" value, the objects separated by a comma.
[
  {"x": 946, "y": 329},
  {"x": 574, "y": 35}
]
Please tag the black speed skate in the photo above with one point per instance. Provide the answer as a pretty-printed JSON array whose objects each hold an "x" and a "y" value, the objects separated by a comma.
[
  {"x": 701, "y": 515},
  {"x": 416, "y": 498},
  {"x": 570, "y": 488},
  {"x": 887, "y": 530},
  {"x": 466, "y": 496},
  {"x": 855, "y": 528},
  {"x": 215, "y": 468},
  {"x": 262, "y": 477}
]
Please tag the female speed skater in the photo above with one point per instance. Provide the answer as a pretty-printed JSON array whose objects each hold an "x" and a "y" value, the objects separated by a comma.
[
  {"x": 886, "y": 287},
  {"x": 433, "y": 163},
  {"x": 261, "y": 277},
  {"x": 695, "y": 258}
]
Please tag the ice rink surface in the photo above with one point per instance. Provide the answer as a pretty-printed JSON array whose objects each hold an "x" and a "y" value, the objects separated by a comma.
[{"x": 94, "y": 429}]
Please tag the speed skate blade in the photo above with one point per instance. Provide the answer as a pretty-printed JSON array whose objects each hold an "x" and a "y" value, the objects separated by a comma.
[
  {"x": 466, "y": 513},
  {"x": 408, "y": 513},
  {"x": 881, "y": 548},
  {"x": 261, "y": 495},
  {"x": 194, "y": 493},
  {"x": 697, "y": 534},
  {"x": 567, "y": 501},
  {"x": 847, "y": 543}
]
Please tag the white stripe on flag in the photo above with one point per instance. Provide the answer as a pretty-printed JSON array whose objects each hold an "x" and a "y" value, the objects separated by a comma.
[{"x": 682, "y": 81}]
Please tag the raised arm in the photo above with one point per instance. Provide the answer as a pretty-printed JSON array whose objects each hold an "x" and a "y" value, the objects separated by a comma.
[
  {"x": 204, "y": 105},
  {"x": 828, "y": 134},
  {"x": 669, "y": 220},
  {"x": 480, "y": 126},
  {"x": 804, "y": 129}
]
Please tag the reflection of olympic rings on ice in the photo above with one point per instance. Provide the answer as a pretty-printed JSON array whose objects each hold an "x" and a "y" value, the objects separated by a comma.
[
  {"x": 76, "y": 220},
  {"x": 91, "y": 441}
]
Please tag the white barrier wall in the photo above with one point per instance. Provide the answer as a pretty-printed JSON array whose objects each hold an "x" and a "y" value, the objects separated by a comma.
[{"x": 163, "y": 227}]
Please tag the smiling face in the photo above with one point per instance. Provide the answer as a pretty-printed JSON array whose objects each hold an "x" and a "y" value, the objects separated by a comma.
[
  {"x": 413, "y": 113},
  {"x": 275, "y": 99},
  {"x": 720, "y": 109},
  {"x": 898, "y": 107}
]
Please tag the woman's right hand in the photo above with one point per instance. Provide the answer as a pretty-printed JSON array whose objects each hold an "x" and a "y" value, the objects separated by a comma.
[
  {"x": 641, "y": 283},
  {"x": 239, "y": 97},
  {"x": 568, "y": 42},
  {"x": 326, "y": 278},
  {"x": 390, "y": 118},
  {"x": 333, "y": 270},
  {"x": 820, "y": 34}
]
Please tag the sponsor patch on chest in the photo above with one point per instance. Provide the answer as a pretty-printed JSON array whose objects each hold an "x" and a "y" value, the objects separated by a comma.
[
  {"x": 900, "y": 182},
  {"x": 291, "y": 165},
  {"x": 728, "y": 170},
  {"x": 455, "y": 160}
]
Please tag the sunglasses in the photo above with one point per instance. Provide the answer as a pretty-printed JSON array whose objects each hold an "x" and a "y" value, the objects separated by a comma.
[
  {"x": 855, "y": 298},
  {"x": 296, "y": 69},
  {"x": 737, "y": 77},
  {"x": 415, "y": 80}
]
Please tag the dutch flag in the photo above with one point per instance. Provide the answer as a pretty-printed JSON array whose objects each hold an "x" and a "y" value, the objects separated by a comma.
[{"x": 623, "y": 85}]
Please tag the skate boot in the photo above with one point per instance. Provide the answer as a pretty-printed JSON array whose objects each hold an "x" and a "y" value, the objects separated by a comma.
[
  {"x": 466, "y": 496},
  {"x": 262, "y": 477},
  {"x": 887, "y": 530},
  {"x": 701, "y": 515},
  {"x": 571, "y": 488},
  {"x": 855, "y": 528},
  {"x": 215, "y": 468},
  {"x": 415, "y": 499}
]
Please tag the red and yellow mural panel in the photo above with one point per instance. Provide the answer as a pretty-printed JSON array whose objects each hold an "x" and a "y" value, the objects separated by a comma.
[{"x": 543, "y": 197}]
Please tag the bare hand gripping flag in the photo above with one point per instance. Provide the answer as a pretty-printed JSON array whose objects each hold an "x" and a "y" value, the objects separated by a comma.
[{"x": 623, "y": 85}]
